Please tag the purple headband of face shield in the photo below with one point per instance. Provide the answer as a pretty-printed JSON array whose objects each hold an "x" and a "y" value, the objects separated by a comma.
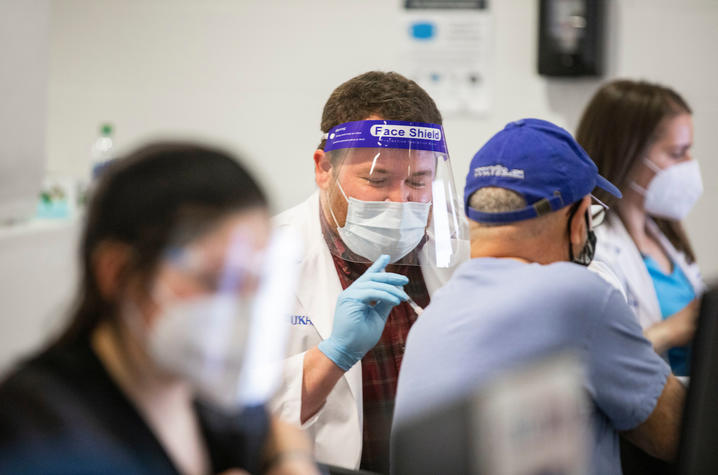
[{"x": 386, "y": 134}]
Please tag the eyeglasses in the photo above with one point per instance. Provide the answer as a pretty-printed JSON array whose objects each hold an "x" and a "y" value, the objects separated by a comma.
[
  {"x": 598, "y": 212},
  {"x": 239, "y": 269}
]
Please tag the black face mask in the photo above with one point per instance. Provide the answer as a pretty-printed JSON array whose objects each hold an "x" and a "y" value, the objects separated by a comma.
[{"x": 584, "y": 257}]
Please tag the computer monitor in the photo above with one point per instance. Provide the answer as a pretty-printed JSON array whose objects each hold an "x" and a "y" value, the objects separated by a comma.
[{"x": 698, "y": 449}]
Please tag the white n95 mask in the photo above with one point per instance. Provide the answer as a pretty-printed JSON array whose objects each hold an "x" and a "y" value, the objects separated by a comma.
[
  {"x": 373, "y": 228},
  {"x": 673, "y": 191},
  {"x": 203, "y": 341}
]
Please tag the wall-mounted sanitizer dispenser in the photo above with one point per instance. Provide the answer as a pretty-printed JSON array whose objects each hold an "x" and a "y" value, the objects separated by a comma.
[{"x": 571, "y": 37}]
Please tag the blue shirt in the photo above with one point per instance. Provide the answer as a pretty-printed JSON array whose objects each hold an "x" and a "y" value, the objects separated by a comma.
[
  {"x": 497, "y": 313},
  {"x": 674, "y": 292}
]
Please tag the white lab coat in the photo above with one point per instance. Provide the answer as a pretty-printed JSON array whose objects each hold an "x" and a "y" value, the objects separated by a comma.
[
  {"x": 336, "y": 429},
  {"x": 616, "y": 248}
]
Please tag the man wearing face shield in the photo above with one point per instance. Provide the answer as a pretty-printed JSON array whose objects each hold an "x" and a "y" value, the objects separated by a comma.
[
  {"x": 381, "y": 234},
  {"x": 523, "y": 296}
]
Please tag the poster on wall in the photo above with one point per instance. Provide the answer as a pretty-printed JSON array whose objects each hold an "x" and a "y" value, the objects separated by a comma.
[{"x": 447, "y": 46}]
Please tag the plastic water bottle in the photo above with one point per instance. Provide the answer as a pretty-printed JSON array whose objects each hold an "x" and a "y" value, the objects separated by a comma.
[{"x": 102, "y": 152}]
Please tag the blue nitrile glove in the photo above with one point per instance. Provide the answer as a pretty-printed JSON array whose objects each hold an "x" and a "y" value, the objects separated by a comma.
[{"x": 361, "y": 312}]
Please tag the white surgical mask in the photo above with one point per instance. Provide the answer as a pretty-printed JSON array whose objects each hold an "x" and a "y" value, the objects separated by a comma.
[
  {"x": 203, "y": 341},
  {"x": 673, "y": 191},
  {"x": 373, "y": 228}
]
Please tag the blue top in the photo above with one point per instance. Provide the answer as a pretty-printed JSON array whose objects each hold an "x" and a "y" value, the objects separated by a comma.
[
  {"x": 674, "y": 292},
  {"x": 498, "y": 313}
]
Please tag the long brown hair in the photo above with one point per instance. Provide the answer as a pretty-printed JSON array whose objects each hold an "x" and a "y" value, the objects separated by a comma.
[{"x": 619, "y": 124}]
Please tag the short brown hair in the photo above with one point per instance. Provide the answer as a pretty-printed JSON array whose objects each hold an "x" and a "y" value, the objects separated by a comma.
[
  {"x": 386, "y": 94},
  {"x": 620, "y": 122}
]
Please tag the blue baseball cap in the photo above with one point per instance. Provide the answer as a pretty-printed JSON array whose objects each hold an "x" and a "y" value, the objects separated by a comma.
[{"x": 540, "y": 161}]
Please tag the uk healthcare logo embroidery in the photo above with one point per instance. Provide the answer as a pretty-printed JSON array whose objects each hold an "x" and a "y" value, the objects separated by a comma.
[
  {"x": 498, "y": 170},
  {"x": 300, "y": 320}
]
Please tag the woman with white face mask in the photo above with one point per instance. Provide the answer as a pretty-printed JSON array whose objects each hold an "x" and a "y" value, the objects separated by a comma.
[
  {"x": 640, "y": 135},
  {"x": 147, "y": 377}
]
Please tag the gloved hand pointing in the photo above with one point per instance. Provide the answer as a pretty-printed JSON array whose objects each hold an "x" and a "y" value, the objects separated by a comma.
[{"x": 361, "y": 312}]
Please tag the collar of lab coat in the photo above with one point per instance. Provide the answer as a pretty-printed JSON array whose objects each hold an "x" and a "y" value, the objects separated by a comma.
[
  {"x": 691, "y": 270},
  {"x": 623, "y": 255},
  {"x": 318, "y": 287},
  {"x": 319, "y": 284}
]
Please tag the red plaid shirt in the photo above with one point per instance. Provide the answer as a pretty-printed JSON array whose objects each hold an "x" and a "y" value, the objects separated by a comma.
[{"x": 380, "y": 366}]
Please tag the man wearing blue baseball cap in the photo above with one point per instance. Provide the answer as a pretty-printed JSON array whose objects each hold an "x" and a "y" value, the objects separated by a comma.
[{"x": 526, "y": 291}]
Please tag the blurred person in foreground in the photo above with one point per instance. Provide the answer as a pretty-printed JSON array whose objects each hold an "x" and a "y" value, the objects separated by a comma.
[
  {"x": 526, "y": 292},
  {"x": 146, "y": 378},
  {"x": 640, "y": 136},
  {"x": 382, "y": 232}
]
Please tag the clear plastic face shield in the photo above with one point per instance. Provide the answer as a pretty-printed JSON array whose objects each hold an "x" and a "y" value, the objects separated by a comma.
[
  {"x": 223, "y": 314},
  {"x": 390, "y": 190}
]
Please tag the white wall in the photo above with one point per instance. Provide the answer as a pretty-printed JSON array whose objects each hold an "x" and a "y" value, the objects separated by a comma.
[
  {"x": 24, "y": 49},
  {"x": 37, "y": 277},
  {"x": 254, "y": 75}
]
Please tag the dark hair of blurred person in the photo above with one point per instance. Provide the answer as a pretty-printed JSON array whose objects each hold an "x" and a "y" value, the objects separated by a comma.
[{"x": 156, "y": 196}]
